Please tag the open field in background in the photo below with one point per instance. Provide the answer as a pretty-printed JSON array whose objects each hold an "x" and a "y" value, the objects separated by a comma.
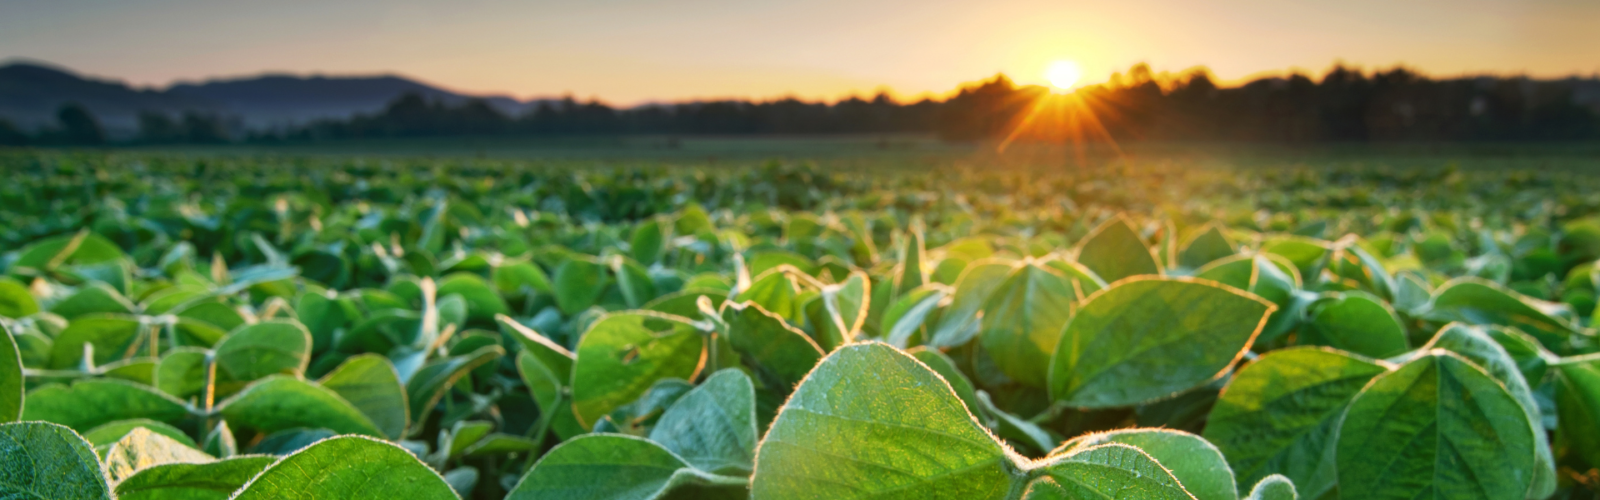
[{"x": 920, "y": 152}]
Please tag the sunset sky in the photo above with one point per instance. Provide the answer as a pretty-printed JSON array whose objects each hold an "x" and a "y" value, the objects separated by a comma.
[{"x": 629, "y": 51}]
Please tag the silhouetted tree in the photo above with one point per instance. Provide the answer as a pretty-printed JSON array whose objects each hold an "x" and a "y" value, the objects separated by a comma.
[
  {"x": 79, "y": 127},
  {"x": 158, "y": 128}
]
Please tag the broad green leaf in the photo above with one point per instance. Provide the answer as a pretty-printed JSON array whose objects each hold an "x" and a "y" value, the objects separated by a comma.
[
  {"x": 1115, "y": 251},
  {"x": 141, "y": 449},
  {"x": 369, "y": 383},
  {"x": 772, "y": 346},
  {"x": 278, "y": 402},
  {"x": 109, "y": 433},
  {"x": 1309, "y": 255},
  {"x": 633, "y": 281},
  {"x": 1261, "y": 276},
  {"x": 15, "y": 300},
  {"x": 623, "y": 354},
  {"x": 87, "y": 404},
  {"x": 1437, "y": 426},
  {"x": 960, "y": 321},
  {"x": 193, "y": 481},
  {"x": 1479, "y": 302},
  {"x": 872, "y": 422},
  {"x": 216, "y": 314},
  {"x": 321, "y": 315},
  {"x": 1022, "y": 322},
  {"x": 1015, "y": 430},
  {"x": 430, "y": 384},
  {"x": 579, "y": 282},
  {"x": 1281, "y": 413},
  {"x": 483, "y": 303},
  {"x": 609, "y": 467},
  {"x": 48, "y": 461},
  {"x": 1475, "y": 344},
  {"x": 181, "y": 373},
  {"x": 1274, "y": 487},
  {"x": 1148, "y": 339},
  {"x": 1107, "y": 471},
  {"x": 946, "y": 368},
  {"x": 554, "y": 356},
  {"x": 513, "y": 278},
  {"x": 12, "y": 386},
  {"x": 844, "y": 310},
  {"x": 906, "y": 316},
  {"x": 347, "y": 467},
  {"x": 1355, "y": 322},
  {"x": 501, "y": 444},
  {"x": 684, "y": 302},
  {"x": 1197, "y": 465},
  {"x": 776, "y": 291},
  {"x": 114, "y": 337},
  {"x": 1207, "y": 246},
  {"x": 912, "y": 256},
  {"x": 713, "y": 427},
  {"x": 84, "y": 247},
  {"x": 94, "y": 298},
  {"x": 543, "y": 383},
  {"x": 1577, "y": 382},
  {"x": 259, "y": 350},
  {"x": 1084, "y": 282},
  {"x": 647, "y": 242}
]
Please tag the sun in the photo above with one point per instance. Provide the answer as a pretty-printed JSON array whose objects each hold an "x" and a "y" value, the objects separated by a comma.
[{"x": 1063, "y": 74}]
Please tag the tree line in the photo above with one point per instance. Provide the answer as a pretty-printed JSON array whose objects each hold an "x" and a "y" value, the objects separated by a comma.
[{"x": 1344, "y": 105}]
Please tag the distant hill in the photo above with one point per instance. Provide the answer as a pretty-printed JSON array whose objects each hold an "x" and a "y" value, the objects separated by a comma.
[{"x": 30, "y": 94}]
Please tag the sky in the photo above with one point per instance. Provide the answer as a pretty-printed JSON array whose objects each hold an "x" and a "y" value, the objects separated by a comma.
[{"x": 632, "y": 51}]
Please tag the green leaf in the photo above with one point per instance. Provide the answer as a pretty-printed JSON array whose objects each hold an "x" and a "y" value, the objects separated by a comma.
[
  {"x": 1022, "y": 322},
  {"x": 181, "y": 373},
  {"x": 542, "y": 382},
  {"x": 579, "y": 283},
  {"x": 1010, "y": 427},
  {"x": 513, "y": 278},
  {"x": 1479, "y": 302},
  {"x": 1281, "y": 413},
  {"x": 12, "y": 384},
  {"x": 93, "y": 298},
  {"x": 1084, "y": 282},
  {"x": 623, "y": 354},
  {"x": 347, "y": 467},
  {"x": 960, "y": 321},
  {"x": 189, "y": 481},
  {"x": 321, "y": 315},
  {"x": 554, "y": 356},
  {"x": 908, "y": 313},
  {"x": 141, "y": 449},
  {"x": 1307, "y": 254},
  {"x": 647, "y": 242},
  {"x": 609, "y": 467},
  {"x": 370, "y": 384},
  {"x": 776, "y": 349},
  {"x": 89, "y": 403},
  {"x": 278, "y": 402},
  {"x": 912, "y": 256},
  {"x": 844, "y": 310},
  {"x": 1577, "y": 382},
  {"x": 1260, "y": 275},
  {"x": 483, "y": 303},
  {"x": 946, "y": 368},
  {"x": 113, "y": 337},
  {"x": 633, "y": 281},
  {"x": 1207, "y": 246},
  {"x": 872, "y": 422},
  {"x": 1356, "y": 322},
  {"x": 48, "y": 461},
  {"x": 1274, "y": 487},
  {"x": 713, "y": 427},
  {"x": 1475, "y": 344},
  {"x": 1115, "y": 251},
  {"x": 1148, "y": 339},
  {"x": 259, "y": 350},
  {"x": 1197, "y": 465},
  {"x": 109, "y": 433},
  {"x": 1106, "y": 471},
  {"x": 1437, "y": 426},
  {"x": 15, "y": 300},
  {"x": 430, "y": 384},
  {"x": 776, "y": 290},
  {"x": 216, "y": 314}
]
